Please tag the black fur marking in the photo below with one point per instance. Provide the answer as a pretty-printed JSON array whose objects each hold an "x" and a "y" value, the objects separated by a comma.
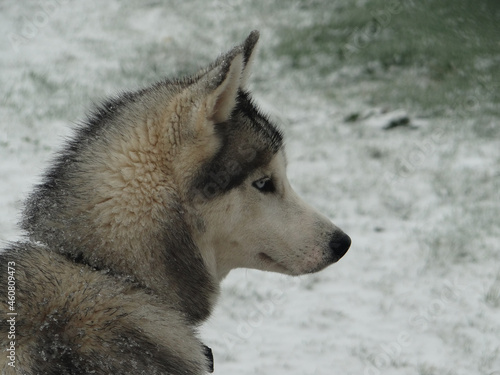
[
  {"x": 183, "y": 262},
  {"x": 260, "y": 123},
  {"x": 249, "y": 141},
  {"x": 210, "y": 358},
  {"x": 249, "y": 45}
]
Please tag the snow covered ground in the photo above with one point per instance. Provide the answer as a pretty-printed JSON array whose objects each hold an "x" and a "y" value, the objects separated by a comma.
[{"x": 419, "y": 290}]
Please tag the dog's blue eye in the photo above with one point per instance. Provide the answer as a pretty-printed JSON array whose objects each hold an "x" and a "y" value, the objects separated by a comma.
[{"x": 264, "y": 185}]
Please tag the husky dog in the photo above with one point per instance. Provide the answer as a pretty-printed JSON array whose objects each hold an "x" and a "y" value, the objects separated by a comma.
[{"x": 154, "y": 200}]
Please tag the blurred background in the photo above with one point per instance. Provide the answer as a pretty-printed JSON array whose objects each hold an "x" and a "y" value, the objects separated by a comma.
[{"x": 391, "y": 114}]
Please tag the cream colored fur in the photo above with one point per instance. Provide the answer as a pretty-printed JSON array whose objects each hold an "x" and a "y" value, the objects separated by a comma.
[{"x": 272, "y": 232}]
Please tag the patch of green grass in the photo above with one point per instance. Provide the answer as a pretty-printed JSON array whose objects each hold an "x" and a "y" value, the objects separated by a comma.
[{"x": 435, "y": 56}]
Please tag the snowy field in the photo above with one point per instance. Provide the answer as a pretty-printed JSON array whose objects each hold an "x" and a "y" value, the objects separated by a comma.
[{"x": 419, "y": 290}]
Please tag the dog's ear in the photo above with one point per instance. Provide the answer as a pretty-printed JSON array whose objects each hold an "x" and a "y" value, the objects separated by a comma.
[
  {"x": 220, "y": 85},
  {"x": 221, "y": 81},
  {"x": 249, "y": 52}
]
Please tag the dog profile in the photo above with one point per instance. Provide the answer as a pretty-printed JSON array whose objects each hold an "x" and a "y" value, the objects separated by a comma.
[{"x": 156, "y": 198}]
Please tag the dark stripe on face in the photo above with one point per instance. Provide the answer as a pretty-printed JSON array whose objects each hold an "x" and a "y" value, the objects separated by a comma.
[
  {"x": 249, "y": 141},
  {"x": 272, "y": 136}
]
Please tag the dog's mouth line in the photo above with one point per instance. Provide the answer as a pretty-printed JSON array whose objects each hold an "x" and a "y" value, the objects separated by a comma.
[{"x": 267, "y": 259}]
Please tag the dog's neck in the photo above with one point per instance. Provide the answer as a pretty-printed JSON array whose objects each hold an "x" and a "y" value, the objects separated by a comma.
[
  {"x": 186, "y": 286},
  {"x": 168, "y": 264},
  {"x": 186, "y": 275},
  {"x": 195, "y": 288}
]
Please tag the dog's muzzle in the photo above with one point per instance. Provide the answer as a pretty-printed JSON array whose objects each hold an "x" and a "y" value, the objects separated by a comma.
[{"x": 339, "y": 244}]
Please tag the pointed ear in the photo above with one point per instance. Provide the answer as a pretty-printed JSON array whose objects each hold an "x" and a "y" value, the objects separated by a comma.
[
  {"x": 249, "y": 52},
  {"x": 221, "y": 86}
]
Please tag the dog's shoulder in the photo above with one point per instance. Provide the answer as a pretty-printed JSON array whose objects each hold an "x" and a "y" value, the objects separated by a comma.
[{"x": 72, "y": 319}]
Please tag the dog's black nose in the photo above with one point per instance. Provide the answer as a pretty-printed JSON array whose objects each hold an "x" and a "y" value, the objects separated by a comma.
[{"x": 339, "y": 244}]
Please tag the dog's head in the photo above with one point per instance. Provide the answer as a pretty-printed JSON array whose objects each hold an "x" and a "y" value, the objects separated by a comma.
[
  {"x": 177, "y": 184},
  {"x": 240, "y": 206}
]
